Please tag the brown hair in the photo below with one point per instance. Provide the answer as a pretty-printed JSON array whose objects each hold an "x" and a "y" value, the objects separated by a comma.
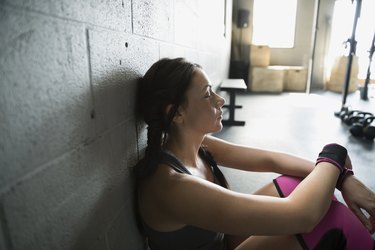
[{"x": 165, "y": 83}]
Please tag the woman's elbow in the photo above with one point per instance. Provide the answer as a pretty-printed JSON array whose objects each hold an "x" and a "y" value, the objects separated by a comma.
[
  {"x": 308, "y": 220},
  {"x": 308, "y": 225}
]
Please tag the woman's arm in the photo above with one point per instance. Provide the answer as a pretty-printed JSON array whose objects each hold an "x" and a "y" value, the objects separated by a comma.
[
  {"x": 360, "y": 198},
  {"x": 356, "y": 194},
  {"x": 194, "y": 201},
  {"x": 251, "y": 159}
]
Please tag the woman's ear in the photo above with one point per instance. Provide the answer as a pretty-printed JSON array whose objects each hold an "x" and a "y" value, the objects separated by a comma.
[{"x": 177, "y": 117}]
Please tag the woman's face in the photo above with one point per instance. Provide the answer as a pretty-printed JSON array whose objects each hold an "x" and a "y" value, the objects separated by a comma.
[{"x": 202, "y": 109}]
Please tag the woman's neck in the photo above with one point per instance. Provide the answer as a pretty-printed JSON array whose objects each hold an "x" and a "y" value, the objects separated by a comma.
[{"x": 185, "y": 147}]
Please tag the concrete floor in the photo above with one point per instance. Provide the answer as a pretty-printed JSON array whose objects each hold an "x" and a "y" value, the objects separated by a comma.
[{"x": 299, "y": 124}]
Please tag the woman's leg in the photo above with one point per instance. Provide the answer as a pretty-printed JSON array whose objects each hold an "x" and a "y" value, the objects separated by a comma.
[
  {"x": 338, "y": 229},
  {"x": 286, "y": 242},
  {"x": 264, "y": 242}
]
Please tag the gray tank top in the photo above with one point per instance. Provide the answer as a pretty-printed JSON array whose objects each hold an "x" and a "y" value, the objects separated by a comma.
[{"x": 188, "y": 237}]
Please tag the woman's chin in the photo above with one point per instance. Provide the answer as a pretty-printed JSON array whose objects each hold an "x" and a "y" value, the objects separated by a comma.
[{"x": 219, "y": 127}]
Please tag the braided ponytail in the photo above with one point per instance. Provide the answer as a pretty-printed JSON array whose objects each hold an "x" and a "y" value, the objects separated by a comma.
[
  {"x": 165, "y": 83},
  {"x": 155, "y": 136}
]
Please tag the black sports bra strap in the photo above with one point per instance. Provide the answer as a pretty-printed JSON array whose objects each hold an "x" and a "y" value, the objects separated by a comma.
[
  {"x": 173, "y": 162},
  {"x": 216, "y": 170},
  {"x": 176, "y": 164}
]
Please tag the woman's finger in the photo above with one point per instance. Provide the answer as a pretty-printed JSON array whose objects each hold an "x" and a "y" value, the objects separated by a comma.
[{"x": 362, "y": 217}]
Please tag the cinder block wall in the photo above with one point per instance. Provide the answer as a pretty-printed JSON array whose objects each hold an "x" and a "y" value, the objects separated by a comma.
[{"x": 68, "y": 131}]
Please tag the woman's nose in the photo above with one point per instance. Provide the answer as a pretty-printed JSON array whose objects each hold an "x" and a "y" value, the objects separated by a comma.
[{"x": 220, "y": 101}]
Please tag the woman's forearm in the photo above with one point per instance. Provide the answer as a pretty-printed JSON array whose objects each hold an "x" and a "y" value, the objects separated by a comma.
[
  {"x": 287, "y": 164},
  {"x": 313, "y": 195}
]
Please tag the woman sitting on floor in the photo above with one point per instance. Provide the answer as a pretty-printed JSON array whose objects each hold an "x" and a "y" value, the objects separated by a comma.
[{"x": 183, "y": 200}]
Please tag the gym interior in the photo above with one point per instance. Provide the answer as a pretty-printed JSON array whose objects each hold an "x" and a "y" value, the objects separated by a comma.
[{"x": 69, "y": 131}]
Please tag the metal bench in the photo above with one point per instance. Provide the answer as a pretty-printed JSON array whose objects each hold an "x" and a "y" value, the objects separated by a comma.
[{"x": 232, "y": 86}]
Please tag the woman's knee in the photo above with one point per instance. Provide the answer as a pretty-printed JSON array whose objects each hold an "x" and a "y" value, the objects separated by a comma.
[{"x": 269, "y": 190}]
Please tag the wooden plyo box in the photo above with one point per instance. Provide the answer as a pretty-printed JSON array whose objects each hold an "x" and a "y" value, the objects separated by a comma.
[
  {"x": 267, "y": 79},
  {"x": 259, "y": 55},
  {"x": 295, "y": 78}
]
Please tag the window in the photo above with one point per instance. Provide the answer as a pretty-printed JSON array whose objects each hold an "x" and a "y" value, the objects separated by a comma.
[{"x": 274, "y": 23}]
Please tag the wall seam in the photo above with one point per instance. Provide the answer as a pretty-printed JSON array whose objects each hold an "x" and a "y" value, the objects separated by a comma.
[
  {"x": 88, "y": 51},
  {"x": 131, "y": 16}
]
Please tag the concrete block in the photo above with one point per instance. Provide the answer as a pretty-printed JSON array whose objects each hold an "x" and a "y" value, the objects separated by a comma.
[
  {"x": 123, "y": 233},
  {"x": 91, "y": 220},
  {"x": 171, "y": 50},
  {"x": 210, "y": 30},
  {"x": 192, "y": 55},
  {"x": 186, "y": 23},
  {"x": 100, "y": 243},
  {"x": 123, "y": 147},
  {"x": 154, "y": 19},
  {"x": 205, "y": 60},
  {"x": 117, "y": 60},
  {"x": 110, "y": 14},
  {"x": 4, "y": 244},
  {"x": 75, "y": 199},
  {"x": 30, "y": 207},
  {"x": 45, "y": 99},
  {"x": 210, "y": 62}
]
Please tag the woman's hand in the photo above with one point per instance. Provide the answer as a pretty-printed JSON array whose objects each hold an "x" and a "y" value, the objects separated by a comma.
[{"x": 357, "y": 196}]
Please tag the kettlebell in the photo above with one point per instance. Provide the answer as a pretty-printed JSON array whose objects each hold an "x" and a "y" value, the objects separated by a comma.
[
  {"x": 355, "y": 116},
  {"x": 364, "y": 128},
  {"x": 369, "y": 131},
  {"x": 342, "y": 112},
  {"x": 358, "y": 117}
]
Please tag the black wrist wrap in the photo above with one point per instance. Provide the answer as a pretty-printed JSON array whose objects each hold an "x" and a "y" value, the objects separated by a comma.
[
  {"x": 342, "y": 177},
  {"x": 335, "y": 154}
]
